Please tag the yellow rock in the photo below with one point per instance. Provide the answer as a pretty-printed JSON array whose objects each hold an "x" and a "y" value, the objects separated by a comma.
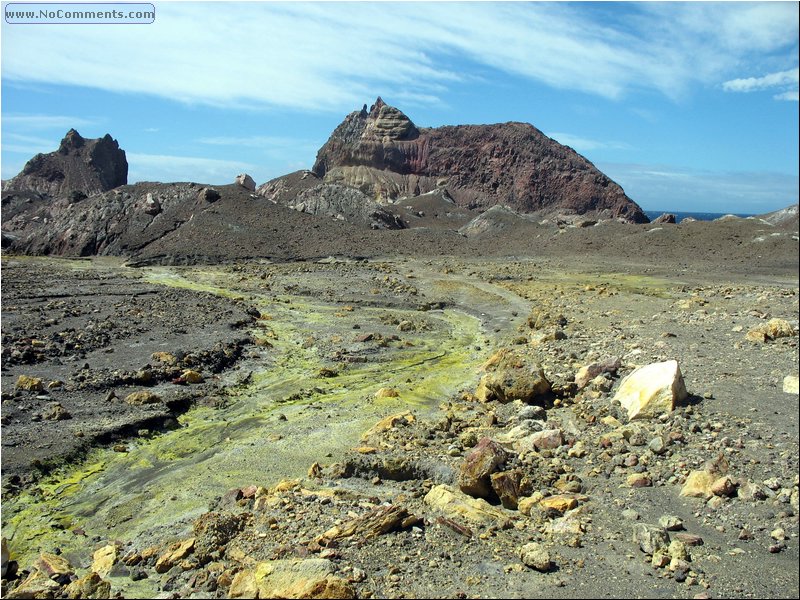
[
  {"x": 561, "y": 502},
  {"x": 387, "y": 393},
  {"x": 456, "y": 504},
  {"x": 104, "y": 559},
  {"x": 771, "y": 330},
  {"x": 175, "y": 553},
  {"x": 791, "y": 385},
  {"x": 524, "y": 505},
  {"x": 164, "y": 357},
  {"x": 52, "y": 564},
  {"x": 143, "y": 397},
  {"x": 30, "y": 384},
  {"x": 286, "y": 485},
  {"x": 36, "y": 585},
  {"x": 309, "y": 578},
  {"x": 90, "y": 586},
  {"x": 652, "y": 390},
  {"x": 390, "y": 422},
  {"x": 698, "y": 484},
  {"x": 244, "y": 585},
  {"x": 190, "y": 376},
  {"x": 366, "y": 449}
]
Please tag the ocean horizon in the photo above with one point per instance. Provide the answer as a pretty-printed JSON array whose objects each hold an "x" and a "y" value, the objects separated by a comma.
[{"x": 700, "y": 216}]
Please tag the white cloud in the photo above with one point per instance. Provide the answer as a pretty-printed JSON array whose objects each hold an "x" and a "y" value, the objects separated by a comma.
[
  {"x": 582, "y": 144},
  {"x": 782, "y": 79},
  {"x": 330, "y": 56},
  {"x": 44, "y": 122},
  {"x": 792, "y": 96},
  {"x": 159, "y": 167},
  {"x": 660, "y": 187}
]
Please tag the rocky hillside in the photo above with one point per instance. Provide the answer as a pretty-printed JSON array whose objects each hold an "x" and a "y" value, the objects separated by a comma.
[
  {"x": 79, "y": 168},
  {"x": 384, "y": 154}
]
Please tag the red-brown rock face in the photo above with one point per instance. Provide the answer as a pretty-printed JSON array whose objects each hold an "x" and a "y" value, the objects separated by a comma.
[
  {"x": 385, "y": 155},
  {"x": 79, "y": 166}
]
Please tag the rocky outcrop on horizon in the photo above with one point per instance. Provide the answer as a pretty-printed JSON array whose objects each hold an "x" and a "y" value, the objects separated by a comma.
[
  {"x": 80, "y": 168},
  {"x": 382, "y": 153}
]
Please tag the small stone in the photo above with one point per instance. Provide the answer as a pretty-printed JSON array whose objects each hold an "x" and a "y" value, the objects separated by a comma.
[
  {"x": 657, "y": 445},
  {"x": 677, "y": 550},
  {"x": 689, "y": 539},
  {"x": 660, "y": 560},
  {"x": 89, "y": 586},
  {"x": 578, "y": 450},
  {"x": 650, "y": 538},
  {"x": 630, "y": 514},
  {"x": 778, "y": 534},
  {"x": 723, "y": 486},
  {"x": 53, "y": 565},
  {"x": 639, "y": 480},
  {"x": 791, "y": 385},
  {"x": 191, "y": 376},
  {"x": 549, "y": 439},
  {"x": 104, "y": 559},
  {"x": 698, "y": 484},
  {"x": 561, "y": 503},
  {"x": 387, "y": 393},
  {"x": 671, "y": 523},
  {"x": 56, "y": 412},
  {"x": 536, "y": 556},
  {"x": 474, "y": 476},
  {"x": 29, "y": 384},
  {"x": 143, "y": 397},
  {"x": 174, "y": 554}
]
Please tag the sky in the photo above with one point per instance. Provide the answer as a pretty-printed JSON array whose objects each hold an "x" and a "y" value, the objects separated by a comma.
[{"x": 688, "y": 106}]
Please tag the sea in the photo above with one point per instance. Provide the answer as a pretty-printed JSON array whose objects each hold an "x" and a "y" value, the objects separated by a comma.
[{"x": 700, "y": 216}]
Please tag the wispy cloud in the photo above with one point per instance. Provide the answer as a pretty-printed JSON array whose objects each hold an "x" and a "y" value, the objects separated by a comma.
[
  {"x": 661, "y": 187},
  {"x": 44, "y": 122},
  {"x": 783, "y": 80},
  {"x": 160, "y": 167},
  {"x": 582, "y": 144},
  {"x": 257, "y": 141},
  {"x": 330, "y": 56}
]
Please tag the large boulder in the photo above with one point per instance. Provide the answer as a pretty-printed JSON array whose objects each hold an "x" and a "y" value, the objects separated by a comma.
[{"x": 652, "y": 390}]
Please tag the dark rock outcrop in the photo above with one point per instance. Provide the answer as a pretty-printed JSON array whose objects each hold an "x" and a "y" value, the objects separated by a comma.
[
  {"x": 386, "y": 156},
  {"x": 666, "y": 218},
  {"x": 78, "y": 169}
]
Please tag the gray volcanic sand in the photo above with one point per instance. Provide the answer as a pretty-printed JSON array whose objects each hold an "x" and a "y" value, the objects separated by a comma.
[{"x": 641, "y": 293}]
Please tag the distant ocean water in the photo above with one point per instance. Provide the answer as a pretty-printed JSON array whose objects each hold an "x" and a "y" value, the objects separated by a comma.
[{"x": 700, "y": 216}]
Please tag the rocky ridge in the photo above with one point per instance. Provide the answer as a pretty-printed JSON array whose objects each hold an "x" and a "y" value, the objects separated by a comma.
[
  {"x": 79, "y": 168},
  {"x": 384, "y": 154}
]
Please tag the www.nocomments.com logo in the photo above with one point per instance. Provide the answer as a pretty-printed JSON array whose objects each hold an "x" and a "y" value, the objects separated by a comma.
[{"x": 74, "y": 13}]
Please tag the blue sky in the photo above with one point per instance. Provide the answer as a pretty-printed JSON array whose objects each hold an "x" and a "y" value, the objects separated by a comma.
[{"x": 688, "y": 106}]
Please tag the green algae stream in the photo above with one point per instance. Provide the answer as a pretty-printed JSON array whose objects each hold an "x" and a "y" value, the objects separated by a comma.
[{"x": 277, "y": 421}]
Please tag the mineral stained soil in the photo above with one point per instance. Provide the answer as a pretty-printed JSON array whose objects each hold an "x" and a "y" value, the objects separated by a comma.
[{"x": 269, "y": 377}]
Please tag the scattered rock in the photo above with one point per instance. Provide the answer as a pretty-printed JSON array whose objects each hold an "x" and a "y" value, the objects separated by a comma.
[
  {"x": 104, "y": 559},
  {"x": 653, "y": 390},
  {"x": 174, "y": 554},
  {"x": 209, "y": 194},
  {"x": 791, "y": 385},
  {"x": 698, "y": 484},
  {"x": 651, "y": 538},
  {"x": 536, "y": 556},
  {"x": 56, "y": 412},
  {"x": 151, "y": 205},
  {"x": 309, "y": 578},
  {"x": 771, "y": 330},
  {"x": 142, "y": 397},
  {"x": 29, "y": 384},
  {"x": 456, "y": 504},
  {"x": 510, "y": 376},
  {"x": 474, "y": 476},
  {"x": 89, "y": 586},
  {"x": 244, "y": 180},
  {"x": 402, "y": 419},
  {"x": 387, "y": 393}
]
